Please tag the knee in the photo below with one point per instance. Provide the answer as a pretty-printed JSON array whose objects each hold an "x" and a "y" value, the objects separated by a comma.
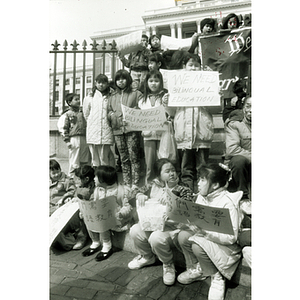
[
  {"x": 157, "y": 238},
  {"x": 134, "y": 230},
  {"x": 197, "y": 250},
  {"x": 183, "y": 237}
]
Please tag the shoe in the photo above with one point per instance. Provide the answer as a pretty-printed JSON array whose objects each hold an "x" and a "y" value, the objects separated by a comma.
[
  {"x": 104, "y": 255},
  {"x": 90, "y": 251},
  {"x": 140, "y": 261},
  {"x": 80, "y": 243},
  {"x": 217, "y": 287},
  {"x": 191, "y": 275},
  {"x": 168, "y": 274}
]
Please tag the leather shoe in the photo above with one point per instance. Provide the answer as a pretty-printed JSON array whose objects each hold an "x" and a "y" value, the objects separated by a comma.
[
  {"x": 90, "y": 251},
  {"x": 104, "y": 255}
]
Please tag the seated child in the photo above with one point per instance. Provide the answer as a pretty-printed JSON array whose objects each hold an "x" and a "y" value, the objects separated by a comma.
[
  {"x": 158, "y": 242},
  {"x": 106, "y": 184},
  {"x": 209, "y": 253}
]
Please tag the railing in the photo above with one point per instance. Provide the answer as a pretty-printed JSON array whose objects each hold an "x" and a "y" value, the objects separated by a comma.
[{"x": 97, "y": 51}]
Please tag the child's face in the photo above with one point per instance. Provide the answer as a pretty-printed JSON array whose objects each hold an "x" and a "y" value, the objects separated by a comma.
[
  {"x": 154, "y": 85},
  {"x": 203, "y": 186},
  {"x": 121, "y": 83},
  {"x": 155, "y": 42},
  {"x": 75, "y": 102},
  {"x": 144, "y": 42},
  {"x": 98, "y": 183},
  {"x": 232, "y": 23},
  {"x": 168, "y": 173},
  {"x": 152, "y": 65},
  {"x": 192, "y": 65},
  {"x": 206, "y": 29},
  {"x": 101, "y": 86},
  {"x": 248, "y": 109},
  {"x": 55, "y": 175}
]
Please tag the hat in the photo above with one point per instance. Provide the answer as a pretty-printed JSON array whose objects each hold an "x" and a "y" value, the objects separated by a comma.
[{"x": 209, "y": 21}]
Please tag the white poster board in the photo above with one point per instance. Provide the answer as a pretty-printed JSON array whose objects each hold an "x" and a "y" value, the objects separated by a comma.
[
  {"x": 129, "y": 43},
  {"x": 172, "y": 43}
]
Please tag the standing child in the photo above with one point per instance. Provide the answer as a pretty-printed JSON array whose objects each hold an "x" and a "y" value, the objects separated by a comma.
[
  {"x": 193, "y": 128},
  {"x": 106, "y": 184},
  {"x": 209, "y": 253},
  {"x": 158, "y": 242},
  {"x": 156, "y": 61},
  {"x": 74, "y": 131},
  {"x": 99, "y": 136},
  {"x": 128, "y": 143},
  {"x": 153, "y": 95}
]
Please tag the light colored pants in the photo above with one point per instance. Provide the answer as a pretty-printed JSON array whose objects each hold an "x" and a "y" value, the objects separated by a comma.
[
  {"x": 157, "y": 242},
  {"x": 102, "y": 155},
  {"x": 247, "y": 255},
  {"x": 150, "y": 148},
  {"x": 79, "y": 154},
  {"x": 96, "y": 236}
]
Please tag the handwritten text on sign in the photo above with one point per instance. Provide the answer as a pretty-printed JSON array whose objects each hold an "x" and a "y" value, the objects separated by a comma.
[
  {"x": 144, "y": 119},
  {"x": 206, "y": 217},
  {"x": 99, "y": 215},
  {"x": 197, "y": 88}
]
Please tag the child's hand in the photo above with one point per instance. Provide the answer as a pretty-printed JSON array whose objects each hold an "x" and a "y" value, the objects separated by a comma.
[
  {"x": 140, "y": 200},
  {"x": 165, "y": 99},
  {"x": 196, "y": 229},
  {"x": 165, "y": 217}
]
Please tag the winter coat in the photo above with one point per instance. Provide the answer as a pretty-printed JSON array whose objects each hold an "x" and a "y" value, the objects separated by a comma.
[
  {"x": 115, "y": 114},
  {"x": 222, "y": 249},
  {"x": 237, "y": 135},
  {"x": 193, "y": 127},
  {"x": 99, "y": 131}
]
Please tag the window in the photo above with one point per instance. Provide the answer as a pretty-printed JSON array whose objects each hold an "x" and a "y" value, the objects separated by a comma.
[
  {"x": 78, "y": 80},
  {"x": 88, "y": 79},
  {"x": 77, "y": 91},
  {"x": 57, "y": 82},
  {"x": 67, "y": 81},
  {"x": 56, "y": 96}
]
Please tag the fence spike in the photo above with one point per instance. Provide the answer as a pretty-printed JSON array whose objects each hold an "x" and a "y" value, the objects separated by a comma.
[
  {"x": 84, "y": 44},
  {"x": 55, "y": 45},
  {"x": 103, "y": 45},
  {"x": 75, "y": 44},
  {"x": 113, "y": 45},
  {"x": 65, "y": 45},
  {"x": 94, "y": 45}
]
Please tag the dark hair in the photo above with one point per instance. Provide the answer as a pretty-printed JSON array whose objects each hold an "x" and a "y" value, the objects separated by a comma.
[
  {"x": 192, "y": 56},
  {"x": 54, "y": 165},
  {"x": 69, "y": 97},
  {"x": 214, "y": 173},
  {"x": 155, "y": 74},
  {"x": 101, "y": 78},
  {"x": 181, "y": 57},
  {"x": 159, "y": 164},
  {"x": 85, "y": 171},
  {"x": 157, "y": 57},
  {"x": 125, "y": 75},
  {"x": 145, "y": 37},
  {"x": 106, "y": 174},
  {"x": 226, "y": 19},
  {"x": 209, "y": 21},
  {"x": 239, "y": 85}
]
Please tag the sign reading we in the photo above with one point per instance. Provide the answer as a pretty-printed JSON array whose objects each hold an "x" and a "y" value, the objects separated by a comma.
[{"x": 197, "y": 88}]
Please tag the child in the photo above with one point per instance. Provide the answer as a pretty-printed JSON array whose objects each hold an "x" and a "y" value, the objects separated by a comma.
[
  {"x": 157, "y": 242},
  {"x": 99, "y": 136},
  {"x": 153, "y": 95},
  {"x": 209, "y": 253},
  {"x": 156, "y": 61},
  {"x": 74, "y": 131},
  {"x": 154, "y": 42},
  {"x": 128, "y": 143},
  {"x": 231, "y": 21},
  {"x": 106, "y": 184},
  {"x": 193, "y": 128}
]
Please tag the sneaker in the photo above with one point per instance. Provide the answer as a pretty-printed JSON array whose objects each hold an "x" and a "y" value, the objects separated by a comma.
[
  {"x": 191, "y": 275},
  {"x": 217, "y": 287},
  {"x": 80, "y": 243},
  {"x": 140, "y": 261},
  {"x": 169, "y": 274}
]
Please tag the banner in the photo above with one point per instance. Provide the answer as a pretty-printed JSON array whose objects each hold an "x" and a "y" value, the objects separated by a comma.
[
  {"x": 197, "y": 88},
  {"x": 99, "y": 215},
  {"x": 129, "y": 43},
  {"x": 206, "y": 217},
  {"x": 229, "y": 53},
  {"x": 171, "y": 43},
  {"x": 151, "y": 119},
  {"x": 60, "y": 218}
]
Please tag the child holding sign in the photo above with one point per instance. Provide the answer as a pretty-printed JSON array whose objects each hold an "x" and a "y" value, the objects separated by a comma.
[
  {"x": 209, "y": 253},
  {"x": 158, "y": 242}
]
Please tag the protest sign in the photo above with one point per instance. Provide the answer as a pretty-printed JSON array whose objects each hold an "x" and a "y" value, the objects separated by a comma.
[
  {"x": 99, "y": 215},
  {"x": 172, "y": 43},
  {"x": 151, "y": 215},
  {"x": 164, "y": 74},
  {"x": 144, "y": 119},
  {"x": 59, "y": 219},
  {"x": 129, "y": 43},
  {"x": 206, "y": 217},
  {"x": 198, "y": 88}
]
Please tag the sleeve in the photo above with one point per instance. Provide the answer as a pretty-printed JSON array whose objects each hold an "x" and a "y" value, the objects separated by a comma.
[
  {"x": 125, "y": 61},
  {"x": 66, "y": 129},
  {"x": 86, "y": 107},
  {"x": 70, "y": 189}
]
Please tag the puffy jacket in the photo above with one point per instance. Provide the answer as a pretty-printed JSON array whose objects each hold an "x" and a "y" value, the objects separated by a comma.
[
  {"x": 99, "y": 131},
  {"x": 237, "y": 135},
  {"x": 222, "y": 249},
  {"x": 115, "y": 114}
]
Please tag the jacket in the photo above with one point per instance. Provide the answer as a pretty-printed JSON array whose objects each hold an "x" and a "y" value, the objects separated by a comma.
[
  {"x": 99, "y": 131},
  {"x": 222, "y": 249},
  {"x": 75, "y": 124},
  {"x": 137, "y": 61},
  {"x": 115, "y": 114},
  {"x": 193, "y": 127},
  {"x": 237, "y": 135}
]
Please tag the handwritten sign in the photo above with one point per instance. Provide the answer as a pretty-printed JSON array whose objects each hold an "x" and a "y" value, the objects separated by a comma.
[
  {"x": 197, "y": 88},
  {"x": 164, "y": 74},
  {"x": 151, "y": 215},
  {"x": 151, "y": 119},
  {"x": 59, "y": 219},
  {"x": 130, "y": 42},
  {"x": 171, "y": 43},
  {"x": 206, "y": 217},
  {"x": 99, "y": 215}
]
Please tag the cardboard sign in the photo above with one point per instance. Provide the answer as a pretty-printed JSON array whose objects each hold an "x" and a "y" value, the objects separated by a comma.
[
  {"x": 129, "y": 43},
  {"x": 206, "y": 217},
  {"x": 171, "y": 43},
  {"x": 164, "y": 73},
  {"x": 60, "y": 218},
  {"x": 197, "y": 88},
  {"x": 151, "y": 215},
  {"x": 151, "y": 119},
  {"x": 99, "y": 215}
]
